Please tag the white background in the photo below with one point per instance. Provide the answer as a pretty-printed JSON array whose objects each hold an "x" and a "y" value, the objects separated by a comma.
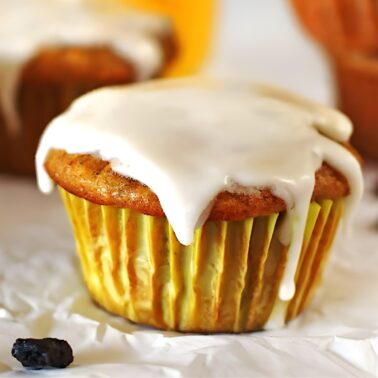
[
  {"x": 42, "y": 294},
  {"x": 261, "y": 40}
]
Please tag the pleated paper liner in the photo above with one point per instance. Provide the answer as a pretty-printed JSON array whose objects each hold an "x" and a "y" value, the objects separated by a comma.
[{"x": 227, "y": 280}]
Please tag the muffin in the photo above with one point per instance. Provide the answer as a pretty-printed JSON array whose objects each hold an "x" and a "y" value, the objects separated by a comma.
[
  {"x": 53, "y": 52},
  {"x": 348, "y": 30},
  {"x": 341, "y": 24},
  {"x": 201, "y": 205},
  {"x": 356, "y": 75}
]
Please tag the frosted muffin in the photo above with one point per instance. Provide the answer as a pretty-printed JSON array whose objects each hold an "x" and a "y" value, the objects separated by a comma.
[
  {"x": 348, "y": 30},
  {"x": 51, "y": 52},
  {"x": 201, "y": 205}
]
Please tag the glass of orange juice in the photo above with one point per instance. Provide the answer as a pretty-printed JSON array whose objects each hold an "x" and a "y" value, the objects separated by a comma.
[{"x": 193, "y": 23}]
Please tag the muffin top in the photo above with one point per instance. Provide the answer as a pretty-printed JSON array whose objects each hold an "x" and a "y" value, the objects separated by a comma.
[
  {"x": 92, "y": 178},
  {"x": 28, "y": 27},
  {"x": 188, "y": 140}
]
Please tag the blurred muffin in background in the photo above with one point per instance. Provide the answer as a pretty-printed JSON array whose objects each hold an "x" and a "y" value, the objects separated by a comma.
[
  {"x": 348, "y": 30},
  {"x": 54, "y": 51}
]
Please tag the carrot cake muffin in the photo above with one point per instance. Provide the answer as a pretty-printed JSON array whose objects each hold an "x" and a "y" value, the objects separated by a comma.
[
  {"x": 348, "y": 31},
  {"x": 201, "y": 205},
  {"x": 54, "y": 51}
]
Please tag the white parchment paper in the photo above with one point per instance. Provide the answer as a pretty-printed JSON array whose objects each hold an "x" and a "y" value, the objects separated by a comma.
[{"x": 42, "y": 294}]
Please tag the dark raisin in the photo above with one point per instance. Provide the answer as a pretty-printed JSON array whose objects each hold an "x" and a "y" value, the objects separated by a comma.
[{"x": 42, "y": 353}]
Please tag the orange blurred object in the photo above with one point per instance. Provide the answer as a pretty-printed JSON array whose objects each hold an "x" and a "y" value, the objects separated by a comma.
[
  {"x": 341, "y": 24},
  {"x": 348, "y": 31},
  {"x": 193, "y": 23}
]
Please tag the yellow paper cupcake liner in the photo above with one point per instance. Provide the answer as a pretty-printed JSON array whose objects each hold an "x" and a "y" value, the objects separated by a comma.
[{"x": 227, "y": 280}]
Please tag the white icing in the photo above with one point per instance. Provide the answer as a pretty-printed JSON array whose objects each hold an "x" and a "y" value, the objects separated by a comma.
[
  {"x": 190, "y": 139},
  {"x": 27, "y": 26}
]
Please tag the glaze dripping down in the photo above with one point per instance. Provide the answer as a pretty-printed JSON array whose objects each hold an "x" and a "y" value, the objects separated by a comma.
[{"x": 190, "y": 139}]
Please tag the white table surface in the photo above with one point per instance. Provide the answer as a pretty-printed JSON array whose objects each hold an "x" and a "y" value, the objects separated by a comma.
[{"x": 42, "y": 293}]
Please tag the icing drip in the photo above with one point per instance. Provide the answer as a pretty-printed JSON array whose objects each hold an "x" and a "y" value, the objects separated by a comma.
[
  {"x": 29, "y": 26},
  {"x": 8, "y": 87},
  {"x": 190, "y": 139}
]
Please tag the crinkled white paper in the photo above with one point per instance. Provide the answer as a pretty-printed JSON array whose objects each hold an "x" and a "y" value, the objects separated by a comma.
[{"x": 42, "y": 294}]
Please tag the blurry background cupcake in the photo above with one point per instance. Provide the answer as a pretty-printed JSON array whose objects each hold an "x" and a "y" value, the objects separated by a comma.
[
  {"x": 348, "y": 31},
  {"x": 53, "y": 51}
]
